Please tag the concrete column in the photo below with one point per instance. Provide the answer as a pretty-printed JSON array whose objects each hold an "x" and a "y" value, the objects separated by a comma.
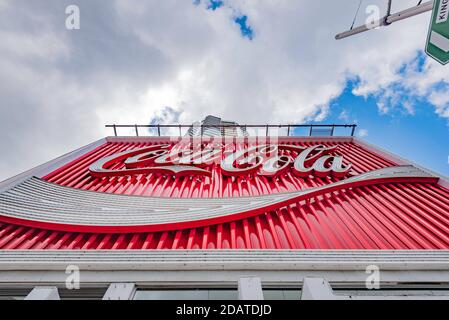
[
  {"x": 43, "y": 293},
  {"x": 120, "y": 291},
  {"x": 317, "y": 289},
  {"x": 250, "y": 288}
]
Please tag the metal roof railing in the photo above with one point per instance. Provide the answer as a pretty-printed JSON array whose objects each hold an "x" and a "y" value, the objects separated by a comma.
[{"x": 313, "y": 129}]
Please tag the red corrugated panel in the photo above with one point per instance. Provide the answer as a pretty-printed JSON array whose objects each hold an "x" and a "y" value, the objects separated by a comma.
[
  {"x": 385, "y": 217},
  {"x": 389, "y": 216}
]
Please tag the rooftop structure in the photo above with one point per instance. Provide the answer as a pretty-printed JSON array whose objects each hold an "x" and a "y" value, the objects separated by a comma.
[{"x": 198, "y": 214}]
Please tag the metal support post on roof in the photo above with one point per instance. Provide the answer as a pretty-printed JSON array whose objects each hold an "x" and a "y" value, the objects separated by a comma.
[{"x": 205, "y": 129}]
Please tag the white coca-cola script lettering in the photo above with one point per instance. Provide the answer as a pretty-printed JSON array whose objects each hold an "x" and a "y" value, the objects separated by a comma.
[{"x": 266, "y": 160}]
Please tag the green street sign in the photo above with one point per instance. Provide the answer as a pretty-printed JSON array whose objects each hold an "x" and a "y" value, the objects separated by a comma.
[{"x": 438, "y": 40}]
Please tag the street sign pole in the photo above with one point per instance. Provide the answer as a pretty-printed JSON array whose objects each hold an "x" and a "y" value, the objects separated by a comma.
[
  {"x": 438, "y": 39},
  {"x": 389, "y": 19}
]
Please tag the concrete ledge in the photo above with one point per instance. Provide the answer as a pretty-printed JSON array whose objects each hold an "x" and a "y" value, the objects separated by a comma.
[{"x": 288, "y": 260}]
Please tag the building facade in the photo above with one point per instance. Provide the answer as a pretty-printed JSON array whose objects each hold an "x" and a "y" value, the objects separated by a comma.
[
  {"x": 213, "y": 126},
  {"x": 225, "y": 216}
]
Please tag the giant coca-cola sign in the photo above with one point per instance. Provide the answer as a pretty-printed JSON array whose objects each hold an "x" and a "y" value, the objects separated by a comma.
[{"x": 266, "y": 160}]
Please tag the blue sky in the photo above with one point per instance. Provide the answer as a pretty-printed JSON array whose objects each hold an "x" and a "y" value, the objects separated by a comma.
[
  {"x": 240, "y": 19},
  {"x": 422, "y": 138}
]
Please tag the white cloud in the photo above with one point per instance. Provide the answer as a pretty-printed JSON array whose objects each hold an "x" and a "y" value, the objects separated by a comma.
[
  {"x": 133, "y": 59},
  {"x": 362, "y": 133},
  {"x": 344, "y": 116},
  {"x": 440, "y": 100},
  {"x": 416, "y": 83}
]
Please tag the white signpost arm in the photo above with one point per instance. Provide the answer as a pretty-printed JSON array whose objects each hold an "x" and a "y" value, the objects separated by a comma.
[{"x": 389, "y": 19}]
